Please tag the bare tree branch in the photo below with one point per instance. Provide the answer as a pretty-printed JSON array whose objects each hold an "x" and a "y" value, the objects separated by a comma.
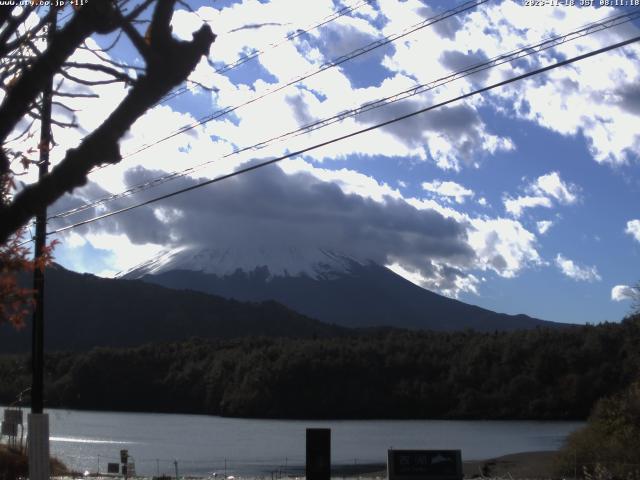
[
  {"x": 59, "y": 123},
  {"x": 120, "y": 76},
  {"x": 89, "y": 83},
  {"x": 136, "y": 39},
  {"x": 22, "y": 133},
  {"x": 169, "y": 62},
  {"x": 114, "y": 63},
  {"x": 58, "y": 93},
  {"x": 12, "y": 26},
  {"x": 31, "y": 83}
]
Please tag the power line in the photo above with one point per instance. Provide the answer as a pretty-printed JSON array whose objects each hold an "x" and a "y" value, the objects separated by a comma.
[
  {"x": 325, "y": 66},
  {"x": 257, "y": 52},
  {"x": 352, "y": 134},
  {"x": 340, "y": 13},
  {"x": 219, "y": 113},
  {"x": 588, "y": 29}
]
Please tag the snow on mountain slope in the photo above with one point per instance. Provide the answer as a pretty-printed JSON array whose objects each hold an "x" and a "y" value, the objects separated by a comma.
[
  {"x": 315, "y": 263},
  {"x": 321, "y": 284}
]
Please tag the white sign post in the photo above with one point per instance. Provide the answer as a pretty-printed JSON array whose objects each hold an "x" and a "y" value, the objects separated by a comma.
[{"x": 38, "y": 446}]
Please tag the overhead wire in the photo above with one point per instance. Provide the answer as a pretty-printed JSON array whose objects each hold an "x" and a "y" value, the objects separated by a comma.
[
  {"x": 588, "y": 29},
  {"x": 353, "y": 54},
  {"x": 351, "y": 134},
  {"x": 325, "y": 66},
  {"x": 287, "y": 38},
  {"x": 470, "y": 4},
  {"x": 256, "y": 53}
]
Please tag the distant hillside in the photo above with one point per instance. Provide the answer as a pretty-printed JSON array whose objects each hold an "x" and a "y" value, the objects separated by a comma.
[
  {"x": 84, "y": 311},
  {"x": 324, "y": 285}
]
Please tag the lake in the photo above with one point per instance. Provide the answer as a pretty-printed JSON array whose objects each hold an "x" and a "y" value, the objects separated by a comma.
[{"x": 202, "y": 444}]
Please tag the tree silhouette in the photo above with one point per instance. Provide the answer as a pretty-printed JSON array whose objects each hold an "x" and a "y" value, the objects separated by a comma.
[{"x": 27, "y": 65}]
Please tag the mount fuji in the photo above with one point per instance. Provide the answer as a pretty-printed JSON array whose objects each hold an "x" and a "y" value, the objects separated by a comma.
[{"x": 321, "y": 284}]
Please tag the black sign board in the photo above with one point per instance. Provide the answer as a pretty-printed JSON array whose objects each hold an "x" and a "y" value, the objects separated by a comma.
[
  {"x": 424, "y": 464},
  {"x": 124, "y": 456},
  {"x": 113, "y": 468},
  {"x": 318, "y": 454}
]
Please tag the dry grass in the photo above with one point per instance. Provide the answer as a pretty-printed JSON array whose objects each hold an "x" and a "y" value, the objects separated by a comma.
[{"x": 14, "y": 464}]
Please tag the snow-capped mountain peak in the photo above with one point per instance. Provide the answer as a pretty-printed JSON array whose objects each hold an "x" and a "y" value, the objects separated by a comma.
[{"x": 284, "y": 261}]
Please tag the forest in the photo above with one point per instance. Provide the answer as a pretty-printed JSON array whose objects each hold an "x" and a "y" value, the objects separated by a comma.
[{"x": 529, "y": 374}]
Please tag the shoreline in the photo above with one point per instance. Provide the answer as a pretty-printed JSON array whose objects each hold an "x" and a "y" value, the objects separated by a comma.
[
  {"x": 521, "y": 465},
  {"x": 536, "y": 464}
]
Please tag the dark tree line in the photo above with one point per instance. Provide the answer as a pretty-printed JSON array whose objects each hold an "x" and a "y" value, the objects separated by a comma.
[{"x": 535, "y": 374}]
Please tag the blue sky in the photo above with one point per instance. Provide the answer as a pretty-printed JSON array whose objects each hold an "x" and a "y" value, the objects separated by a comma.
[{"x": 521, "y": 200}]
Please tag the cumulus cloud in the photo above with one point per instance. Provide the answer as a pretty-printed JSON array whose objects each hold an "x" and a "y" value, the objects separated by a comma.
[
  {"x": 633, "y": 229},
  {"x": 305, "y": 207},
  {"x": 516, "y": 206},
  {"x": 595, "y": 97},
  {"x": 347, "y": 210},
  {"x": 447, "y": 280},
  {"x": 456, "y": 60},
  {"x": 448, "y": 189},
  {"x": 552, "y": 186},
  {"x": 503, "y": 245},
  {"x": 542, "y": 192},
  {"x": 620, "y": 293},
  {"x": 544, "y": 226},
  {"x": 275, "y": 210},
  {"x": 575, "y": 271},
  {"x": 453, "y": 137}
]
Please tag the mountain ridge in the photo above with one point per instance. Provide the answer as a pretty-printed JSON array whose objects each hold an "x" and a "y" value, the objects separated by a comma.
[
  {"x": 339, "y": 289},
  {"x": 84, "y": 311}
]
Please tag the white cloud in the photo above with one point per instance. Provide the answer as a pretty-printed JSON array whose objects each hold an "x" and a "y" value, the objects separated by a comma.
[
  {"x": 516, "y": 206},
  {"x": 74, "y": 240},
  {"x": 575, "y": 271},
  {"x": 633, "y": 229},
  {"x": 128, "y": 253},
  {"x": 620, "y": 293},
  {"x": 349, "y": 181},
  {"x": 453, "y": 138},
  {"x": 565, "y": 100},
  {"x": 552, "y": 186},
  {"x": 440, "y": 247},
  {"x": 544, "y": 226},
  {"x": 502, "y": 245},
  {"x": 447, "y": 281},
  {"x": 448, "y": 189},
  {"x": 542, "y": 193},
  {"x": 593, "y": 97}
]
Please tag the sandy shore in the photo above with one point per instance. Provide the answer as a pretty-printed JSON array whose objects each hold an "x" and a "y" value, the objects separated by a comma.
[
  {"x": 517, "y": 465},
  {"x": 525, "y": 465}
]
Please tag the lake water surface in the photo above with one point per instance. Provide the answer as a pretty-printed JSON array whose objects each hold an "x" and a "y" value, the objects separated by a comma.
[{"x": 205, "y": 444}]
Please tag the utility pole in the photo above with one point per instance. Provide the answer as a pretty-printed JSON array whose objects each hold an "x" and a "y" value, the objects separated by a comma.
[{"x": 38, "y": 421}]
